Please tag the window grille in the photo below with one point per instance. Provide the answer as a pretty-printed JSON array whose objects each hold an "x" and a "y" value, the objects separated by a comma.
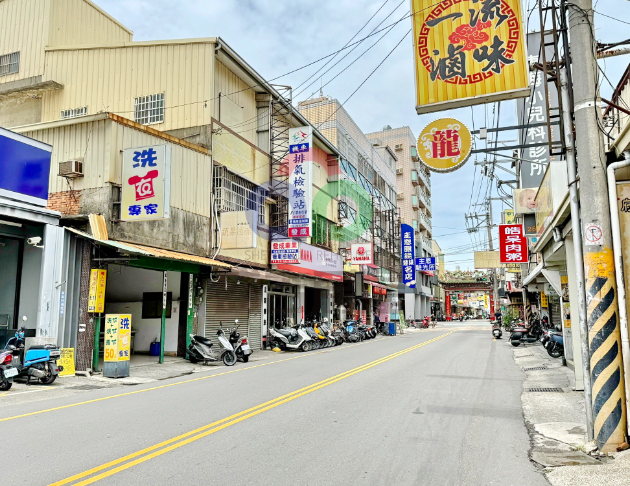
[
  {"x": 9, "y": 63},
  {"x": 74, "y": 112},
  {"x": 149, "y": 109},
  {"x": 321, "y": 231},
  {"x": 234, "y": 193}
]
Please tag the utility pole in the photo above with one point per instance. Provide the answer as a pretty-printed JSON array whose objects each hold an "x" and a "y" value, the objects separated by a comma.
[
  {"x": 495, "y": 289},
  {"x": 604, "y": 338}
]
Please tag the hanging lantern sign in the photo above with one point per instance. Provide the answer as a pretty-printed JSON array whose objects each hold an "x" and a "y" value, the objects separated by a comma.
[{"x": 444, "y": 145}]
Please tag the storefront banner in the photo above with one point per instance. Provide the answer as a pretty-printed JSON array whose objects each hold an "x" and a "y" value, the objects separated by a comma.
[
  {"x": 117, "y": 337},
  {"x": 425, "y": 264},
  {"x": 468, "y": 53},
  {"x": 408, "y": 252},
  {"x": 285, "y": 252},
  {"x": 300, "y": 181},
  {"x": 146, "y": 183},
  {"x": 96, "y": 297},
  {"x": 444, "y": 145},
  {"x": 361, "y": 254},
  {"x": 512, "y": 243},
  {"x": 316, "y": 262},
  {"x": 508, "y": 216},
  {"x": 544, "y": 301},
  {"x": 447, "y": 304},
  {"x": 486, "y": 302}
]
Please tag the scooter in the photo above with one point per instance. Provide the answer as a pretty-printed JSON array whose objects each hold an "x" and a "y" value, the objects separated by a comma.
[
  {"x": 7, "y": 372},
  {"x": 241, "y": 348},
  {"x": 200, "y": 350},
  {"x": 425, "y": 323},
  {"x": 496, "y": 330},
  {"x": 521, "y": 334},
  {"x": 352, "y": 335},
  {"x": 291, "y": 338},
  {"x": 555, "y": 346},
  {"x": 40, "y": 361}
]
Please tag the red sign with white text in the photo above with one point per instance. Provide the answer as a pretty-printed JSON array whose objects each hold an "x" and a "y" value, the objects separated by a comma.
[{"x": 512, "y": 243}]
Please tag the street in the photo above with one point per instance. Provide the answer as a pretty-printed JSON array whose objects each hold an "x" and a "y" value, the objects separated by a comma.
[{"x": 431, "y": 407}]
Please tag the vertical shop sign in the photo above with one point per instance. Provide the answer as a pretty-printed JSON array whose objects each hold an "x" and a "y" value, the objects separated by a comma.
[
  {"x": 447, "y": 304},
  {"x": 486, "y": 302},
  {"x": 408, "y": 252},
  {"x": 117, "y": 337},
  {"x": 468, "y": 53},
  {"x": 512, "y": 243},
  {"x": 544, "y": 301},
  {"x": 300, "y": 181},
  {"x": 96, "y": 297},
  {"x": 146, "y": 183}
]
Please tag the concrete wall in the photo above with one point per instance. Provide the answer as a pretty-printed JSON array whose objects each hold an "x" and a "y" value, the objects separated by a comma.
[{"x": 15, "y": 112}]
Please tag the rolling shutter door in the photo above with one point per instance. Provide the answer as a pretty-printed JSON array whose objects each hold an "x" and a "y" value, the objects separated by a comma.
[
  {"x": 225, "y": 306},
  {"x": 255, "y": 316}
]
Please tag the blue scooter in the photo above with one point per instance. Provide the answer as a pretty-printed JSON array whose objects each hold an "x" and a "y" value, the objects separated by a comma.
[
  {"x": 40, "y": 361},
  {"x": 555, "y": 345}
]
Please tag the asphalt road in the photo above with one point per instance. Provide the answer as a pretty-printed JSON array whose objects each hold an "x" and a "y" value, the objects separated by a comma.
[{"x": 434, "y": 407}]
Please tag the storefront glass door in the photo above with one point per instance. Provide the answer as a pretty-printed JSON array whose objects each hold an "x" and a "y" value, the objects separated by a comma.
[{"x": 281, "y": 309}]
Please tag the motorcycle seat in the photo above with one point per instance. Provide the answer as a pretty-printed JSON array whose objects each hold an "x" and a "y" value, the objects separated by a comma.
[
  {"x": 43, "y": 346},
  {"x": 203, "y": 340},
  {"x": 285, "y": 332}
]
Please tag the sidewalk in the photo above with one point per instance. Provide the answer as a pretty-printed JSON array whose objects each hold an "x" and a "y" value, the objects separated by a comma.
[{"x": 554, "y": 416}]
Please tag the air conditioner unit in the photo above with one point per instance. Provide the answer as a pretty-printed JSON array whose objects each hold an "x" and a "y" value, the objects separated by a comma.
[
  {"x": 71, "y": 168},
  {"x": 399, "y": 171},
  {"x": 401, "y": 195},
  {"x": 398, "y": 146}
]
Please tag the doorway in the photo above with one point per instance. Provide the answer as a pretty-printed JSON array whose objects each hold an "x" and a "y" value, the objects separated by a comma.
[
  {"x": 281, "y": 309},
  {"x": 11, "y": 250}
]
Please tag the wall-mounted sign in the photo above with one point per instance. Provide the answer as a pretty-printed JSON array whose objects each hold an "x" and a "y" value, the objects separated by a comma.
[
  {"x": 408, "y": 252},
  {"x": 468, "y": 53},
  {"x": 316, "y": 262},
  {"x": 96, "y": 297},
  {"x": 487, "y": 259},
  {"x": 544, "y": 302},
  {"x": 117, "y": 337},
  {"x": 513, "y": 243},
  {"x": 361, "y": 254},
  {"x": 444, "y": 145},
  {"x": 508, "y": 216},
  {"x": 146, "y": 183},
  {"x": 285, "y": 252},
  {"x": 300, "y": 181},
  {"x": 425, "y": 264}
]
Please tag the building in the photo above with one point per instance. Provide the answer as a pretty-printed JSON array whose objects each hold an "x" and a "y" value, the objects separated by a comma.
[
  {"x": 72, "y": 81},
  {"x": 438, "y": 298},
  {"x": 367, "y": 205},
  {"x": 413, "y": 199}
]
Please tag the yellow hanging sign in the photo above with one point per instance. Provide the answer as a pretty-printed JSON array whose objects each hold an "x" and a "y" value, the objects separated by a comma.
[
  {"x": 96, "y": 297},
  {"x": 468, "y": 52},
  {"x": 543, "y": 300},
  {"x": 444, "y": 145}
]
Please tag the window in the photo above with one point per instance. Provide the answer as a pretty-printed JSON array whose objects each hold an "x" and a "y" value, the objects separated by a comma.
[
  {"x": 152, "y": 305},
  {"x": 9, "y": 63},
  {"x": 321, "y": 231},
  {"x": 415, "y": 225},
  {"x": 234, "y": 193},
  {"x": 149, "y": 109},
  {"x": 74, "y": 112}
]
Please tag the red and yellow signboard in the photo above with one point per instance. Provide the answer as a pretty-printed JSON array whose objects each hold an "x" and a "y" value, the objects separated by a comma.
[
  {"x": 444, "y": 145},
  {"x": 468, "y": 52}
]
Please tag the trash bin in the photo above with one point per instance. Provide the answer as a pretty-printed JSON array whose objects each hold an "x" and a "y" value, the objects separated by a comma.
[
  {"x": 392, "y": 329},
  {"x": 154, "y": 349}
]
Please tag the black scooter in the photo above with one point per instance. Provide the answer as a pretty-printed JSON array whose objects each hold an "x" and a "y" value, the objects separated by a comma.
[{"x": 241, "y": 347}]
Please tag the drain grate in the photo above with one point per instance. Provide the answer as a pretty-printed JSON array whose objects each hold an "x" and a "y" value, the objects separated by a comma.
[
  {"x": 544, "y": 390},
  {"x": 535, "y": 368},
  {"x": 88, "y": 387}
]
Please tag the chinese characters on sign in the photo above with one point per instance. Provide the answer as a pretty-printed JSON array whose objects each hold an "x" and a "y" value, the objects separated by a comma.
[
  {"x": 117, "y": 337},
  {"x": 146, "y": 183},
  {"x": 96, "y": 297},
  {"x": 425, "y": 264},
  {"x": 285, "y": 252},
  {"x": 467, "y": 53},
  {"x": 361, "y": 254},
  {"x": 513, "y": 243},
  {"x": 300, "y": 181},
  {"x": 408, "y": 252},
  {"x": 444, "y": 145}
]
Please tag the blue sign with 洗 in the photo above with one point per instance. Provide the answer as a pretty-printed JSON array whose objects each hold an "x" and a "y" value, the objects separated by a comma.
[
  {"x": 425, "y": 264},
  {"x": 24, "y": 166},
  {"x": 408, "y": 252}
]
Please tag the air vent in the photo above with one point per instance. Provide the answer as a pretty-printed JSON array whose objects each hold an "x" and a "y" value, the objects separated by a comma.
[
  {"x": 401, "y": 195},
  {"x": 398, "y": 146},
  {"x": 71, "y": 168},
  {"x": 399, "y": 171}
]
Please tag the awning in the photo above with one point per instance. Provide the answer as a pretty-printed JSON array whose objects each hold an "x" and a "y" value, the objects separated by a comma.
[
  {"x": 259, "y": 274},
  {"x": 151, "y": 252},
  {"x": 533, "y": 274}
]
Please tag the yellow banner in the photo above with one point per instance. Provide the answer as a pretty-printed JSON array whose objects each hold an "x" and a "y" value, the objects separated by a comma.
[
  {"x": 543, "y": 300},
  {"x": 509, "y": 216},
  {"x": 67, "y": 361},
  {"x": 117, "y": 337},
  {"x": 468, "y": 53},
  {"x": 96, "y": 298}
]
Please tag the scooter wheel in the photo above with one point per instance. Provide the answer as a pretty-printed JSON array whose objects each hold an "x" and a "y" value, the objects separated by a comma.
[
  {"x": 48, "y": 380},
  {"x": 515, "y": 343},
  {"x": 305, "y": 346},
  {"x": 193, "y": 360},
  {"x": 229, "y": 358},
  {"x": 5, "y": 385},
  {"x": 555, "y": 352}
]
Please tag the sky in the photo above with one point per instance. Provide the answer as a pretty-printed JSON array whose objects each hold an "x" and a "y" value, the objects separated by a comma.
[{"x": 279, "y": 36}]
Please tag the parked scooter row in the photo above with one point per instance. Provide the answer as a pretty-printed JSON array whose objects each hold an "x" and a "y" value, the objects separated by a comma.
[
  {"x": 39, "y": 361},
  {"x": 234, "y": 347},
  {"x": 552, "y": 340}
]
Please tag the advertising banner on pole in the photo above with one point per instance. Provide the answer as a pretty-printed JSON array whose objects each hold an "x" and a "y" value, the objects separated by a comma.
[
  {"x": 96, "y": 297},
  {"x": 300, "y": 181},
  {"x": 444, "y": 145},
  {"x": 146, "y": 183},
  {"x": 408, "y": 252},
  {"x": 468, "y": 53},
  {"x": 513, "y": 243},
  {"x": 361, "y": 254}
]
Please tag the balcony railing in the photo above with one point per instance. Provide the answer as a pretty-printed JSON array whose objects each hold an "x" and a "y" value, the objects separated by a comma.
[
  {"x": 426, "y": 242},
  {"x": 425, "y": 200},
  {"x": 425, "y": 222}
]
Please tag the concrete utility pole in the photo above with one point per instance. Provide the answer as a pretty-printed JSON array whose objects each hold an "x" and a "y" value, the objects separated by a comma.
[
  {"x": 609, "y": 408},
  {"x": 495, "y": 287}
]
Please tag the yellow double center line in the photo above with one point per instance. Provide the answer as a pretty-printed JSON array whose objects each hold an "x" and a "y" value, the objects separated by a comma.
[{"x": 143, "y": 455}]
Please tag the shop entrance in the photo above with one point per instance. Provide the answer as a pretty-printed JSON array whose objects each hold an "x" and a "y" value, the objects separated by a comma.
[
  {"x": 281, "y": 306},
  {"x": 314, "y": 308},
  {"x": 10, "y": 266}
]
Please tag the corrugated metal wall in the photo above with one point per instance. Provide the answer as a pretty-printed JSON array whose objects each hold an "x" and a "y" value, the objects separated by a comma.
[
  {"x": 24, "y": 27},
  {"x": 231, "y": 86},
  {"x": 71, "y": 278},
  {"x": 81, "y": 22},
  {"x": 110, "y": 79}
]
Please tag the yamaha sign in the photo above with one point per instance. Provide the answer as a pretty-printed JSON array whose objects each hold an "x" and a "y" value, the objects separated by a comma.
[{"x": 361, "y": 254}]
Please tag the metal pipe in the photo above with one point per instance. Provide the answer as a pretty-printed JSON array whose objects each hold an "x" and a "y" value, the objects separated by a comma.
[
  {"x": 578, "y": 254},
  {"x": 618, "y": 256}
]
